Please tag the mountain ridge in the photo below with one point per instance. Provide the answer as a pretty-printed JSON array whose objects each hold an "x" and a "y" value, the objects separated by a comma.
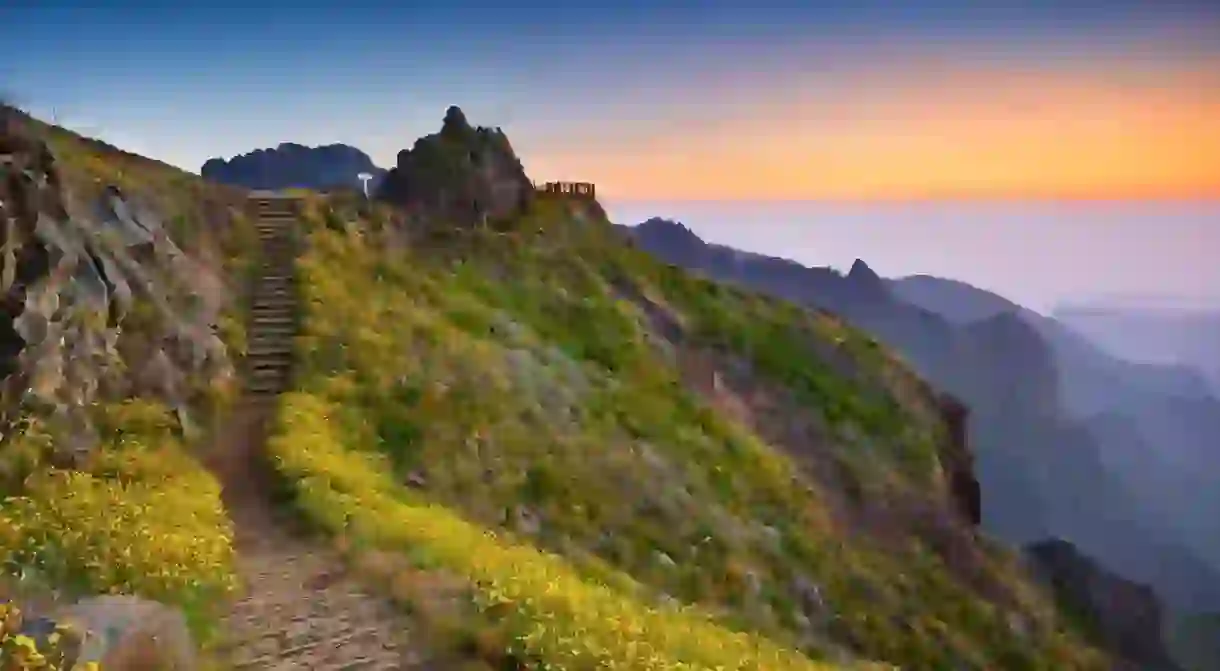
[
  {"x": 1002, "y": 365},
  {"x": 295, "y": 166}
]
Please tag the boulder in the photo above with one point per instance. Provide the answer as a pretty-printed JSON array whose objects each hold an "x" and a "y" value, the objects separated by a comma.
[{"x": 130, "y": 633}]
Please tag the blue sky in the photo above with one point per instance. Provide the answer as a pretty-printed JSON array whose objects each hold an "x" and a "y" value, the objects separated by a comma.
[
  {"x": 670, "y": 106},
  {"x": 187, "y": 81}
]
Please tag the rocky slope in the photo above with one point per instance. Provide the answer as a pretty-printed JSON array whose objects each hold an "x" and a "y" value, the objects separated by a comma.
[
  {"x": 122, "y": 280},
  {"x": 294, "y": 166},
  {"x": 1043, "y": 470}
]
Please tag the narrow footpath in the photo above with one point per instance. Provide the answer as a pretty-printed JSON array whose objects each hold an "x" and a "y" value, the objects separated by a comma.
[{"x": 298, "y": 610}]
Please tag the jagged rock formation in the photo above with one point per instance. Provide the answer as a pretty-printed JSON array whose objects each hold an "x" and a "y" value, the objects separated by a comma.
[
  {"x": 291, "y": 165},
  {"x": 462, "y": 174},
  {"x": 96, "y": 304},
  {"x": 1126, "y": 617}
]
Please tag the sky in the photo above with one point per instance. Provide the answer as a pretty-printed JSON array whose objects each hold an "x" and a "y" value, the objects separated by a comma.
[{"x": 674, "y": 105}]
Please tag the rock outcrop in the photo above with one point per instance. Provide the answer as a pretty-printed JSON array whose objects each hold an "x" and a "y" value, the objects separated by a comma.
[
  {"x": 463, "y": 175},
  {"x": 96, "y": 304},
  {"x": 1126, "y": 617},
  {"x": 958, "y": 461},
  {"x": 291, "y": 165}
]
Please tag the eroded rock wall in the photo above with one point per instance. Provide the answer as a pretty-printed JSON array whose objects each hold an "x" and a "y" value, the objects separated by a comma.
[{"x": 96, "y": 301}]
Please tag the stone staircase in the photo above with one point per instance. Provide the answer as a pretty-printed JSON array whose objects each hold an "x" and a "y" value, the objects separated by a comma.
[
  {"x": 273, "y": 313},
  {"x": 299, "y": 609}
]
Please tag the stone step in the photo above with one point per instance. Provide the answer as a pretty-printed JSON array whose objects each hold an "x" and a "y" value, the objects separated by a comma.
[
  {"x": 268, "y": 392},
  {"x": 274, "y": 297},
  {"x": 276, "y": 287},
  {"x": 286, "y": 304},
  {"x": 273, "y": 310},
  {"x": 272, "y": 314},
  {"x": 269, "y": 361},
  {"x": 271, "y": 319},
  {"x": 275, "y": 301},
  {"x": 272, "y": 332},
  {"x": 270, "y": 349}
]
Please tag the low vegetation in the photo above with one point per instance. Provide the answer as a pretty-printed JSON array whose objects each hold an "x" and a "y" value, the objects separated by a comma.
[
  {"x": 141, "y": 517},
  {"x": 19, "y": 652},
  {"x": 502, "y": 406}
]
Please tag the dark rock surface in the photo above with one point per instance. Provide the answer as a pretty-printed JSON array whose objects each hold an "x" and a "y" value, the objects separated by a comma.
[
  {"x": 462, "y": 174},
  {"x": 290, "y": 165},
  {"x": 1126, "y": 617}
]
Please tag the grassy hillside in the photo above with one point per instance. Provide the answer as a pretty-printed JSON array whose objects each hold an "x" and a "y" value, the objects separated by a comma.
[
  {"x": 609, "y": 462},
  {"x": 556, "y": 451}
]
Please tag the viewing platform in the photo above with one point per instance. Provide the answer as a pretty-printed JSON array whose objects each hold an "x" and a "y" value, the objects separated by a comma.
[{"x": 581, "y": 190}]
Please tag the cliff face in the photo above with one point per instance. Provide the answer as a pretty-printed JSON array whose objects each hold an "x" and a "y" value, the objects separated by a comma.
[
  {"x": 98, "y": 302},
  {"x": 462, "y": 174},
  {"x": 290, "y": 165},
  {"x": 1125, "y": 616}
]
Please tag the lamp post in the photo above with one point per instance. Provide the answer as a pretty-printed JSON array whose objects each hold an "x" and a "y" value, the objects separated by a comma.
[{"x": 364, "y": 178}]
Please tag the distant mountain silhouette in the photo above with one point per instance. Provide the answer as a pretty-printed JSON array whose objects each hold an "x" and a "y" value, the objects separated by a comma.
[
  {"x": 1156, "y": 423},
  {"x": 1092, "y": 380},
  {"x": 290, "y": 165},
  {"x": 1163, "y": 334},
  {"x": 1044, "y": 470}
]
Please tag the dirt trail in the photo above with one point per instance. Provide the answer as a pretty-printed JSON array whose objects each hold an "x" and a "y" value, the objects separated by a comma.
[{"x": 299, "y": 610}]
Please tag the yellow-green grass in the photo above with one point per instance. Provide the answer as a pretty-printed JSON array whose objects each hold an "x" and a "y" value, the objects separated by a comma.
[{"x": 508, "y": 370}]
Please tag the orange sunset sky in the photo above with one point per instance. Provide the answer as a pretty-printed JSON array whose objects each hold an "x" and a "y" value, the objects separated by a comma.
[{"x": 860, "y": 100}]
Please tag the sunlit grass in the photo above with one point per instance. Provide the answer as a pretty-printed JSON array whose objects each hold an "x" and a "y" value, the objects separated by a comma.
[{"x": 507, "y": 371}]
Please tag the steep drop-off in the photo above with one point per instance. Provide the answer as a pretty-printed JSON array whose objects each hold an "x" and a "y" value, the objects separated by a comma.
[{"x": 1044, "y": 469}]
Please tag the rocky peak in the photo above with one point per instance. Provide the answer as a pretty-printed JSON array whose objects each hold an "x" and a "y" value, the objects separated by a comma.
[
  {"x": 668, "y": 233},
  {"x": 461, "y": 174},
  {"x": 455, "y": 124},
  {"x": 865, "y": 279}
]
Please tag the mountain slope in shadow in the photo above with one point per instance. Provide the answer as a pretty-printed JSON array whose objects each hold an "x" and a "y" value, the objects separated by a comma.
[{"x": 1043, "y": 471}]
